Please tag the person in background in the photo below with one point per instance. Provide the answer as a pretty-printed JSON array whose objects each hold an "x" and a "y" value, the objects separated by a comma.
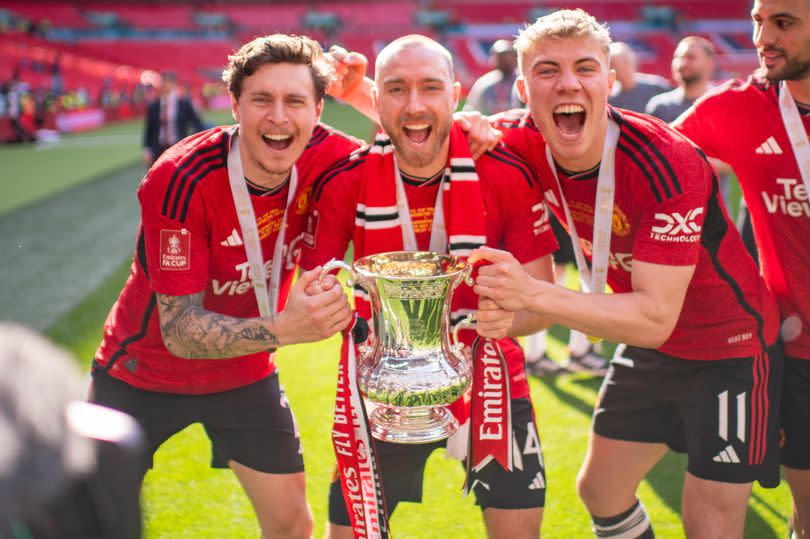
[
  {"x": 495, "y": 90},
  {"x": 692, "y": 68},
  {"x": 632, "y": 89},
  {"x": 169, "y": 118},
  {"x": 15, "y": 98}
]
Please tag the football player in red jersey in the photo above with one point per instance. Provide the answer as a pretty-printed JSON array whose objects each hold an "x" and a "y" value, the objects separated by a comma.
[
  {"x": 444, "y": 190},
  {"x": 701, "y": 366},
  {"x": 193, "y": 333},
  {"x": 760, "y": 127}
]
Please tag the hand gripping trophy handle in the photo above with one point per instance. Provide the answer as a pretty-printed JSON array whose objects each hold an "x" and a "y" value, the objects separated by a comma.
[
  {"x": 360, "y": 329},
  {"x": 340, "y": 265},
  {"x": 469, "y": 320}
]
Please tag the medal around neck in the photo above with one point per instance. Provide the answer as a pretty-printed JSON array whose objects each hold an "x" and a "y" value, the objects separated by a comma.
[
  {"x": 594, "y": 279},
  {"x": 411, "y": 370}
]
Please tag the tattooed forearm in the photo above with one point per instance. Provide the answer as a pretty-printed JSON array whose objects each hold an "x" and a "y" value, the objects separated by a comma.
[{"x": 190, "y": 331}]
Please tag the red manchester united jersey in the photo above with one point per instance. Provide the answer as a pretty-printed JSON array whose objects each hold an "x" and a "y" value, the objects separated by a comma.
[
  {"x": 740, "y": 124},
  {"x": 190, "y": 241},
  {"x": 667, "y": 210},
  {"x": 516, "y": 220}
]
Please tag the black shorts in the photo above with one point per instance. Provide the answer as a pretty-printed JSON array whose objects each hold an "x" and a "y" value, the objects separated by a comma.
[
  {"x": 251, "y": 425},
  {"x": 403, "y": 467},
  {"x": 722, "y": 413},
  {"x": 796, "y": 414},
  {"x": 565, "y": 254}
]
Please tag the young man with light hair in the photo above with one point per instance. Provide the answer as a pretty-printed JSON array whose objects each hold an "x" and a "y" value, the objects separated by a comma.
[{"x": 700, "y": 368}]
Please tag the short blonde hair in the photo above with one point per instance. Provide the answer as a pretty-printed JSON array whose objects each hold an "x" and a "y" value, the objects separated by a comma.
[{"x": 561, "y": 24}]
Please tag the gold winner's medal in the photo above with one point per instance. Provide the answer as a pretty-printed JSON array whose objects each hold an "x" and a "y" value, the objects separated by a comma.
[{"x": 594, "y": 340}]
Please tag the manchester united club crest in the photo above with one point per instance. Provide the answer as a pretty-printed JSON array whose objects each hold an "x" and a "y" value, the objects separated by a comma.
[{"x": 302, "y": 202}]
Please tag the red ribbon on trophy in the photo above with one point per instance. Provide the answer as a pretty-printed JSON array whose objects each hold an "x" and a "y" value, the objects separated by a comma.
[
  {"x": 490, "y": 410},
  {"x": 358, "y": 467}
]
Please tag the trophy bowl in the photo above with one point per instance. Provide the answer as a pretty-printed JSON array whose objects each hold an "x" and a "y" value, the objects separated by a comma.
[{"x": 410, "y": 371}]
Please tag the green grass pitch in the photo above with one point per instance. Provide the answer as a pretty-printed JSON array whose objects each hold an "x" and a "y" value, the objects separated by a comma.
[{"x": 183, "y": 497}]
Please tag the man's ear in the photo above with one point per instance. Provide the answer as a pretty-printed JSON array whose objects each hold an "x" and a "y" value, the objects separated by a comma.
[
  {"x": 375, "y": 98},
  {"x": 318, "y": 111},
  {"x": 456, "y": 93},
  {"x": 234, "y": 108},
  {"x": 520, "y": 82},
  {"x": 611, "y": 80}
]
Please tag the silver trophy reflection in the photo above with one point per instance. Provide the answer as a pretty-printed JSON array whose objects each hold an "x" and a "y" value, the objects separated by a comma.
[{"x": 411, "y": 371}]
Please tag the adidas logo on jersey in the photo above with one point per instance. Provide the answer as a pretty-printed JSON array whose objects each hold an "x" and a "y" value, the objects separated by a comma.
[
  {"x": 727, "y": 455},
  {"x": 234, "y": 240},
  {"x": 537, "y": 482},
  {"x": 769, "y": 147}
]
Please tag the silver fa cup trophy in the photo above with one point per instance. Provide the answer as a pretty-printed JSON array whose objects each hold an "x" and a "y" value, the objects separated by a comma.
[{"x": 411, "y": 371}]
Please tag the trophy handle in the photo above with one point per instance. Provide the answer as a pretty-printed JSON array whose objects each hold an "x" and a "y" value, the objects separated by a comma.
[
  {"x": 467, "y": 278},
  {"x": 469, "y": 320},
  {"x": 340, "y": 265}
]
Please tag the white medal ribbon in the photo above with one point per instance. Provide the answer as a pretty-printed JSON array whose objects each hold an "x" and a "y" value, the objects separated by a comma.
[
  {"x": 796, "y": 133},
  {"x": 438, "y": 233},
  {"x": 594, "y": 280},
  {"x": 268, "y": 302}
]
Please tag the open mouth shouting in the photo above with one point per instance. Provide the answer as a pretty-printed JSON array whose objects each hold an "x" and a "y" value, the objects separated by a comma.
[
  {"x": 569, "y": 120},
  {"x": 417, "y": 133},
  {"x": 278, "y": 142}
]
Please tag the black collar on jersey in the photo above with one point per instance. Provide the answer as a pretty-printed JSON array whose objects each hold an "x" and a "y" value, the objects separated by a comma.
[
  {"x": 254, "y": 189},
  {"x": 590, "y": 174},
  {"x": 417, "y": 181},
  {"x": 804, "y": 108}
]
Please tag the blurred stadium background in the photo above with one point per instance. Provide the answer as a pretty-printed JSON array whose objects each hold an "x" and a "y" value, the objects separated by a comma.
[
  {"x": 83, "y": 63},
  {"x": 81, "y": 72}
]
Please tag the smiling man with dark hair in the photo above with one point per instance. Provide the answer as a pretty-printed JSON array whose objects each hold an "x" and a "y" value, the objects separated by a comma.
[
  {"x": 192, "y": 337},
  {"x": 760, "y": 127}
]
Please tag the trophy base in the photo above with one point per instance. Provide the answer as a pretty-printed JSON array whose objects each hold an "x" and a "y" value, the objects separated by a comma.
[{"x": 411, "y": 425}]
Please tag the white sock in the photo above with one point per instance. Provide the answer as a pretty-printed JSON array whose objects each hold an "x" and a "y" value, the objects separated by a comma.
[
  {"x": 578, "y": 343},
  {"x": 632, "y": 524},
  {"x": 535, "y": 346}
]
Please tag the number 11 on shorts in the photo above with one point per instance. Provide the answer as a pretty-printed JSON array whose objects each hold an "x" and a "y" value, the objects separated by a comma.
[{"x": 723, "y": 410}]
